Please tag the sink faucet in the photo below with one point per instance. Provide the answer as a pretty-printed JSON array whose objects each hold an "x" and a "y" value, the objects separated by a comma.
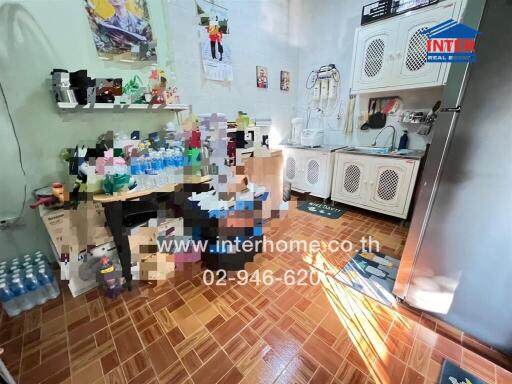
[{"x": 392, "y": 146}]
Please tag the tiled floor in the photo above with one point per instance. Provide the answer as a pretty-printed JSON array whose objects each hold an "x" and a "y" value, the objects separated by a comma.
[{"x": 186, "y": 332}]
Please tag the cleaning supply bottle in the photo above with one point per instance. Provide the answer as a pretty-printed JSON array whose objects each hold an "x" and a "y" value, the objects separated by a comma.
[{"x": 403, "y": 141}]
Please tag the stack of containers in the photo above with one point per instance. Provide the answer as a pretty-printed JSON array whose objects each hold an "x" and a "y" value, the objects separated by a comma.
[{"x": 25, "y": 282}]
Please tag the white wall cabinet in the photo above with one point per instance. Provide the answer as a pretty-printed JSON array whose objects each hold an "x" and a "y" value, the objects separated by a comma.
[
  {"x": 392, "y": 54},
  {"x": 309, "y": 171},
  {"x": 378, "y": 183}
]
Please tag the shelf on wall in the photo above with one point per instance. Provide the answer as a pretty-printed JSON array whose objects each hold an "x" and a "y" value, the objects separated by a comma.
[{"x": 145, "y": 107}]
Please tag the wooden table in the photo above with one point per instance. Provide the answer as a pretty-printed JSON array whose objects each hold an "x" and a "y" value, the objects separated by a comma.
[{"x": 166, "y": 188}]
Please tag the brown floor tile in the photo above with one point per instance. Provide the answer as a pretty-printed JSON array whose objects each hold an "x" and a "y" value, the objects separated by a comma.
[
  {"x": 162, "y": 355},
  {"x": 213, "y": 370},
  {"x": 127, "y": 344},
  {"x": 191, "y": 362},
  {"x": 412, "y": 377},
  {"x": 321, "y": 376},
  {"x": 478, "y": 366},
  {"x": 323, "y": 354},
  {"x": 228, "y": 330}
]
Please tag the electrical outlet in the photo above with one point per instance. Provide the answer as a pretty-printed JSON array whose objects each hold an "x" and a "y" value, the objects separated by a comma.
[{"x": 11, "y": 222}]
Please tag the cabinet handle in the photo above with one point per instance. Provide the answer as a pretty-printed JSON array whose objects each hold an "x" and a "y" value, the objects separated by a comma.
[
  {"x": 398, "y": 55},
  {"x": 391, "y": 57}
]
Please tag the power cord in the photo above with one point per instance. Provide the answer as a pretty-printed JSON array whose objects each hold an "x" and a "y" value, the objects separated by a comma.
[{"x": 19, "y": 157}]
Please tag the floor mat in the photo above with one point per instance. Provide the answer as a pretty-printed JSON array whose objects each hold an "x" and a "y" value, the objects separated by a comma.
[
  {"x": 371, "y": 273},
  {"x": 320, "y": 209},
  {"x": 452, "y": 374}
]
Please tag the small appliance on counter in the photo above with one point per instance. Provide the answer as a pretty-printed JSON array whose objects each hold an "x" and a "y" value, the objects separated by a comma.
[
  {"x": 297, "y": 127},
  {"x": 312, "y": 138}
]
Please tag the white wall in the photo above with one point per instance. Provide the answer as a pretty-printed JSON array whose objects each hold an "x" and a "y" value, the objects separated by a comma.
[
  {"x": 38, "y": 35},
  {"x": 327, "y": 29},
  {"x": 260, "y": 35}
]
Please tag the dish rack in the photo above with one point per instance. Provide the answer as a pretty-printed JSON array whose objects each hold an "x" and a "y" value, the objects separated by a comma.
[{"x": 383, "y": 9}]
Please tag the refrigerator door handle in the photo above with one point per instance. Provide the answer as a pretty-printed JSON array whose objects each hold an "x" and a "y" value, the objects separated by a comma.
[{"x": 452, "y": 109}]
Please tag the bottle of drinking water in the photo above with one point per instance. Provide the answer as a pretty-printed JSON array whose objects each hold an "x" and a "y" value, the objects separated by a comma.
[
  {"x": 156, "y": 163},
  {"x": 150, "y": 179},
  {"x": 179, "y": 163},
  {"x": 20, "y": 291},
  {"x": 40, "y": 257},
  {"x": 48, "y": 282},
  {"x": 136, "y": 172},
  {"x": 14, "y": 265},
  {"x": 35, "y": 292},
  {"x": 8, "y": 299},
  {"x": 167, "y": 165}
]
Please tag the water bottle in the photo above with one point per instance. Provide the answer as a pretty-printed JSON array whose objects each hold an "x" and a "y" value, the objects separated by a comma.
[
  {"x": 20, "y": 291},
  {"x": 156, "y": 164},
  {"x": 40, "y": 259},
  {"x": 35, "y": 292},
  {"x": 8, "y": 299},
  {"x": 136, "y": 172},
  {"x": 179, "y": 162},
  {"x": 48, "y": 282},
  {"x": 14, "y": 265},
  {"x": 169, "y": 166},
  {"x": 150, "y": 180}
]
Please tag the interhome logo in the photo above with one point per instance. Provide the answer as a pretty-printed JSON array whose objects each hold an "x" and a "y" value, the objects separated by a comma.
[{"x": 451, "y": 42}]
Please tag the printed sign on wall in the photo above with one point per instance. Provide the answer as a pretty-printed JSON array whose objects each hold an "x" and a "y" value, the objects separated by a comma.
[
  {"x": 121, "y": 29},
  {"x": 215, "y": 41}
]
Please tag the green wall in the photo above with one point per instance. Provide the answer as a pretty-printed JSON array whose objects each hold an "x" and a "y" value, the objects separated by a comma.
[{"x": 35, "y": 37}]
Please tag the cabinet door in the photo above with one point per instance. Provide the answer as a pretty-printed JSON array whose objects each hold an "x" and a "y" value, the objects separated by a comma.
[
  {"x": 316, "y": 173},
  {"x": 390, "y": 182},
  {"x": 371, "y": 64},
  {"x": 291, "y": 167},
  {"x": 349, "y": 184},
  {"x": 410, "y": 58}
]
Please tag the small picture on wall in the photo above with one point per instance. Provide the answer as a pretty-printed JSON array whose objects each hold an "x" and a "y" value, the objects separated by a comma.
[
  {"x": 285, "y": 81},
  {"x": 261, "y": 77}
]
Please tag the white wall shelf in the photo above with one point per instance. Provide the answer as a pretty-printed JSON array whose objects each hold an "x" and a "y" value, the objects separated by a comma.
[{"x": 144, "y": 107}]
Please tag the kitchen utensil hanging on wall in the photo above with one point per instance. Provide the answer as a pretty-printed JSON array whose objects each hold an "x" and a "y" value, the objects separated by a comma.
[
  {"x": 377, "y": 120},
  {"x": 429, "y": 120}
]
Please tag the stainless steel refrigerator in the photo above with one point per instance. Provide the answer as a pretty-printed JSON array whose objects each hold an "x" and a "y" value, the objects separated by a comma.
[{"x": 457, "y": 262}]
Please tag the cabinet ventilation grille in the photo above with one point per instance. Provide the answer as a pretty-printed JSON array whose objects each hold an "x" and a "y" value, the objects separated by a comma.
[
  {"x": 352, "y": 178},
  {"x": 313, "y": 172},
  {"x": 417, "y": 51},
  {"x": 388, "y": 184},
  {"x": 374, "y": 58},
  {"x": 290, "y": 168}
]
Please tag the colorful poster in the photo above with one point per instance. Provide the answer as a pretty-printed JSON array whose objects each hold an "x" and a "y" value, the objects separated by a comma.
[
  {"x": 285, "y": 81},
  {"x": 215, "y": 41},
  {"x": 121, "y": 29},
  {"x": 261, "y": 77}
]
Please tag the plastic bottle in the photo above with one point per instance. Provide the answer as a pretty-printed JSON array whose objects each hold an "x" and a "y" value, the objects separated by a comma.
[
  {"x": 169, "y": 165},
  {"x": 8, "y": 299},
  {"x": 150, "y": 173},
  {"x": 403, "y": 141},
  {"x": 14, "y": 265},
  {"x": 156, "y": 164},
  {"x": 20, "y": 291},
  {"x": 48, "y": 282},
  {"x": 136, "y": 172},
  {"x": 36, "y": 294}
]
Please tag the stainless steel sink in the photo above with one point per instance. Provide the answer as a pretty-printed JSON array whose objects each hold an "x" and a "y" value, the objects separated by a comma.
[{"x": 379, "y": 150}]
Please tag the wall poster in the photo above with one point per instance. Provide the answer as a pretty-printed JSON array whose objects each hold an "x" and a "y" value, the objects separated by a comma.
[
  {"x": 284, "y": 83},
  {"x": 215, "y": 41},
  {"x": 261, "y": 77},
  {"x": 121, "y": 29}
]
